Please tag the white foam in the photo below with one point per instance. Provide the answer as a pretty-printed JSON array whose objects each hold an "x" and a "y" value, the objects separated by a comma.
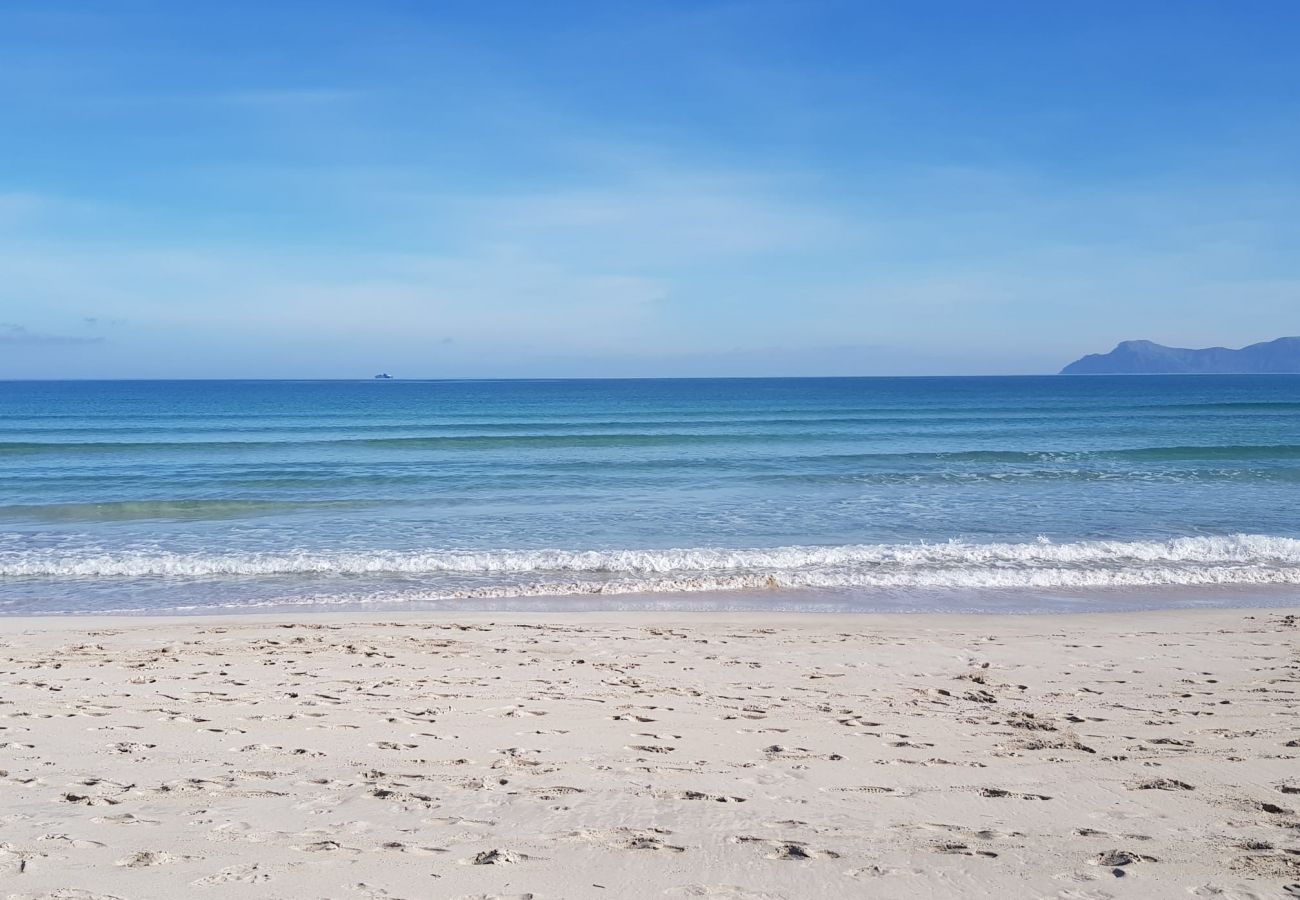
[{"x": 1205, "y": 560}]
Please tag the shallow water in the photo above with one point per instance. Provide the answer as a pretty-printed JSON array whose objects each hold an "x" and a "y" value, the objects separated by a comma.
[{"x": 1033, "y": 493}]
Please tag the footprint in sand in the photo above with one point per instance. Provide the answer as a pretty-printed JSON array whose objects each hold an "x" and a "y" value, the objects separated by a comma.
[
  {"x": 701, "y": 795},
  {"x": 64, "y": 894},
  {"x": 74, "y": 843},
  {"x": 85, "y": 800},
  {"x": 249, "y": 874},
  {"x": 131, "y": 747},
  {"x": 519, "y": 711},
  {"x": 14, "y": 862},
  {"x": 649, "y": 842},
  {"x": 798, "y": 851},
  {"x": 372, "y": 893},
  {"x": 239, "y": 832},
  {"x": 877, "y": 871},
  {"x": 862, "y": 789},
  {"x": 785, "y": 849},
  {"x": 721, "y": 892},
  {"x": 1270, "y": 808},
  {"x": 496, "y": 857},
  {"x": 550, "y": 793},
  {"x": 962, "y": 850},
  {"x": 417, "y": 851},
  {"x": 325, "y": 846},
  {"x": 1113, "y": 858},
  {"x": 999, "y": 792},
  {"x": 144, "y": 858},
  {"x": 124, "y": 819},
  {"x": 1162, "y": 784}
]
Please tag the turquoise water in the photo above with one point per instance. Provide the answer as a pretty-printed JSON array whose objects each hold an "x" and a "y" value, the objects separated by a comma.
[{"x": 872, "y": 493}]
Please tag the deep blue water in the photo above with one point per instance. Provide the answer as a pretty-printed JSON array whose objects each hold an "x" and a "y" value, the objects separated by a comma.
[{"x": 167, "y": 495}]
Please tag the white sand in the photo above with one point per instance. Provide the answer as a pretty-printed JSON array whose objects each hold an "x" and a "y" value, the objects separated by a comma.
[{"x": 629, "y": 755}]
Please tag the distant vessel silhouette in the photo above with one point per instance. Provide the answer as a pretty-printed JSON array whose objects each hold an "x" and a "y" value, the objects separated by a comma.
[{"x": 384, "y": 376}]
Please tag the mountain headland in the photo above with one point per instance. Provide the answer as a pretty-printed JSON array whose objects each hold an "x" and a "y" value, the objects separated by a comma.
[{"x": 1281, "y": 356}]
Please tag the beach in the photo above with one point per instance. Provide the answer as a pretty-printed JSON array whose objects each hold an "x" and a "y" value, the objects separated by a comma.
[
  {"x": 1142, "y": 754},
  {"x": 734, "y": 451}
]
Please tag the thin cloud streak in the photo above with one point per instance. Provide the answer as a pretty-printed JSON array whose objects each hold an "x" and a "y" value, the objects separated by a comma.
[{"x": 12, "y": 334}]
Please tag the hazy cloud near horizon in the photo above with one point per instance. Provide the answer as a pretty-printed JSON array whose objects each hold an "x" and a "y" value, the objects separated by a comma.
[
  {"x": 20, "y": 335},
  {"x": 807, "y": 189}
]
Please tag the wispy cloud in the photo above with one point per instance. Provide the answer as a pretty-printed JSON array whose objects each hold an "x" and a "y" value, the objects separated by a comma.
[
  {"x": 666, "y": 217},
  {"x": 804, "y": 189},
  {"x": 11, "y": 334},
  {"x": 289, "y": 96}
]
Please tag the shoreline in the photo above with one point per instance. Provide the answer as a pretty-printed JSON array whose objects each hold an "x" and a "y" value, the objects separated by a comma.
[
  {"x": 742, "y": 602},
  {"x": 759, "y": 756},
  {"x": 883, "y": 621},
  {"x": 1229, "y": 570}
]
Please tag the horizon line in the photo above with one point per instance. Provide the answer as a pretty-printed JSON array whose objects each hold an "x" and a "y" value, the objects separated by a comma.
[{"x": 416, "y": 380}]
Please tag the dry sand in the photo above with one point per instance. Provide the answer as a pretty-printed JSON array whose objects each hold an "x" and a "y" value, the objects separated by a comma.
[{"x": 628, "y": 755}]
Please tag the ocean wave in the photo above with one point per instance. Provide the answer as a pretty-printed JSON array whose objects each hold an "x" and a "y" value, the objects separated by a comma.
[
  {"x": 660, "y": 439},
  {"x": 1203, "y": 560},
  {"x": 937, "y": 579},
  {"x": 129, "y": 510}
]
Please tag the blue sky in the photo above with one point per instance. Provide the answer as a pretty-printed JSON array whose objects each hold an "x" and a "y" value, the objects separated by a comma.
[{"x": 614, "y": 188}]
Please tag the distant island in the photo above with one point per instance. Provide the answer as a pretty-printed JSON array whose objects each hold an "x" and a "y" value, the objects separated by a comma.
[{"x": 1278, "y": 357}]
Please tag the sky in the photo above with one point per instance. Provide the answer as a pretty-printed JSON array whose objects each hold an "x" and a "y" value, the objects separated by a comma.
[{"x": 575, "y": 189}]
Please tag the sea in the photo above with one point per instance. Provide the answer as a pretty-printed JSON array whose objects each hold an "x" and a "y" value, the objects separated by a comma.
[{"x": 1010, "y": 494}]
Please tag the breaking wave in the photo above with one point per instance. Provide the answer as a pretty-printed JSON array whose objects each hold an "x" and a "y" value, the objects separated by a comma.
[{"x": 1241, "y": 559}]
